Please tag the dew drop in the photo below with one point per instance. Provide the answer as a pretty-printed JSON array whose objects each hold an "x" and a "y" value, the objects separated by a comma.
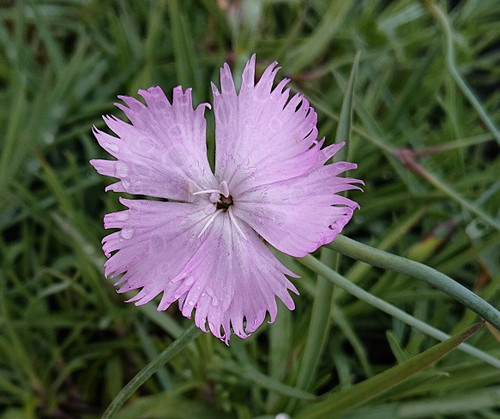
[
  {"x": 113, "y": 147},
  {"x": 276, "y": 124},
  {"x": 211, "y": 293},
  {"x": 175, "y": 130},
  {"x": 33, "y": 165},
  {"x": 48, "y": 138},
  {"x": 156, "y": 242},
  {"x": 127, "y": 233},
  {"x": 223, "y": 114},
  {"x": 191, "y": 303},
  {"x": 121, "y": 216},
  {"x": 121, "y": 169}
]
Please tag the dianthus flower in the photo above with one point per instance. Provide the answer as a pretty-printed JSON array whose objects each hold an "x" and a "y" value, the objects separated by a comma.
[{"x": 203, "y": 243}]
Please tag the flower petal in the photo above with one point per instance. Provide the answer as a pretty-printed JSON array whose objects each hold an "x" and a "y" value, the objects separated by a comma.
[
  {"x": 262, "y": 136},
  {"x": 299, "y": 215},
  {"x": 155, "y": 242},
  {"x": 163, "y": 151},
  {"x": 232, "y": 282}
]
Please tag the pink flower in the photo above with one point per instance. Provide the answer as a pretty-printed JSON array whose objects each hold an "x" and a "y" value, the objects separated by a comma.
[{"x": 203, "y": 247}]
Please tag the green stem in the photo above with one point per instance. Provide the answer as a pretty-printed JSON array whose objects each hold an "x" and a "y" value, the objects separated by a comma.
[
  {"x": 140, "y": 378},
  {"x": 450, "y": 63},
  {"x": 417, "y": 270},
  {"x": 343, "y": 283}
]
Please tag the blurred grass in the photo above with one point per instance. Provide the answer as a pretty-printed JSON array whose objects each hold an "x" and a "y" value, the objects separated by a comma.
[{"x": 68, "y": 343}]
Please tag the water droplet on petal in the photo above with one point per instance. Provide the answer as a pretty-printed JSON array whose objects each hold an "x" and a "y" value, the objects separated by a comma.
[
  {"x": 175, "y": 130},
  {"x": 211, "y": 293},
  {"x": 223, "y": 114},
  {"x": 113, "y": 147},
  {"x": 215, "y": 302},
  {"x": 191, "y": 303},
  {"x": 276, "y": 124},
  {"x": 121, "y": 216},
  {"x": 121, "y": 169},
  {"x": 127, "y": 233},
  {"x": 156, "y": 242}
]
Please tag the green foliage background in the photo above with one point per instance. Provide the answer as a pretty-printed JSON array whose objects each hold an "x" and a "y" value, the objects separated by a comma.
[{"x": 68, "y": 343}]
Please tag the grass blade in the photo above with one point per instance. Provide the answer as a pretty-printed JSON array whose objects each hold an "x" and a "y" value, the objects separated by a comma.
[{"x": 345, "y": 400}]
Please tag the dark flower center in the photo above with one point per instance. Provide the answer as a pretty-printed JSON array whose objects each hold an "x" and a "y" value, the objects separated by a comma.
[{"x": 224, "y": 203}]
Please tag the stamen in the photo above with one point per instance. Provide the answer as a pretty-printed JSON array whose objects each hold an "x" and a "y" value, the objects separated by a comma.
[
  {"x": 210, "y": 221},
  {"x": 235, "y": 223},
  {"x": 224, "y": 189},
  {"x": 207, "y": 191}
]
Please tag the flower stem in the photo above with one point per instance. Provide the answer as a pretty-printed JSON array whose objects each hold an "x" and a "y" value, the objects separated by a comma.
[
  {"x": 140, "y": 378},
  {"x": 417, "y": 270},
  {"x": 316, "y": 266}
]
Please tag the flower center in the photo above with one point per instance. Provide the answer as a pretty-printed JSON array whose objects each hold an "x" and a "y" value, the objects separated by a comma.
[
  {"x": 220, "y": 202},
  {"x": 224, "y": 203}
]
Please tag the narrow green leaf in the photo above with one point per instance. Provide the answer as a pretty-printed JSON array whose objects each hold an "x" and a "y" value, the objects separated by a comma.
[
  {"x": 455, "y": 74},
  {"x": 252, "y": 374},
  {"x": 456, "y": 404},
  {"x": 342, "y": 282},
  {"x": 140, "y": 378},
  {"x": 333, "y": 19},
  {"x": 417, "y": 270},
  {"x": 345, "y": 400},
  {"x": 345, "y": 118},
  {"x": 320, "y": 319}
]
